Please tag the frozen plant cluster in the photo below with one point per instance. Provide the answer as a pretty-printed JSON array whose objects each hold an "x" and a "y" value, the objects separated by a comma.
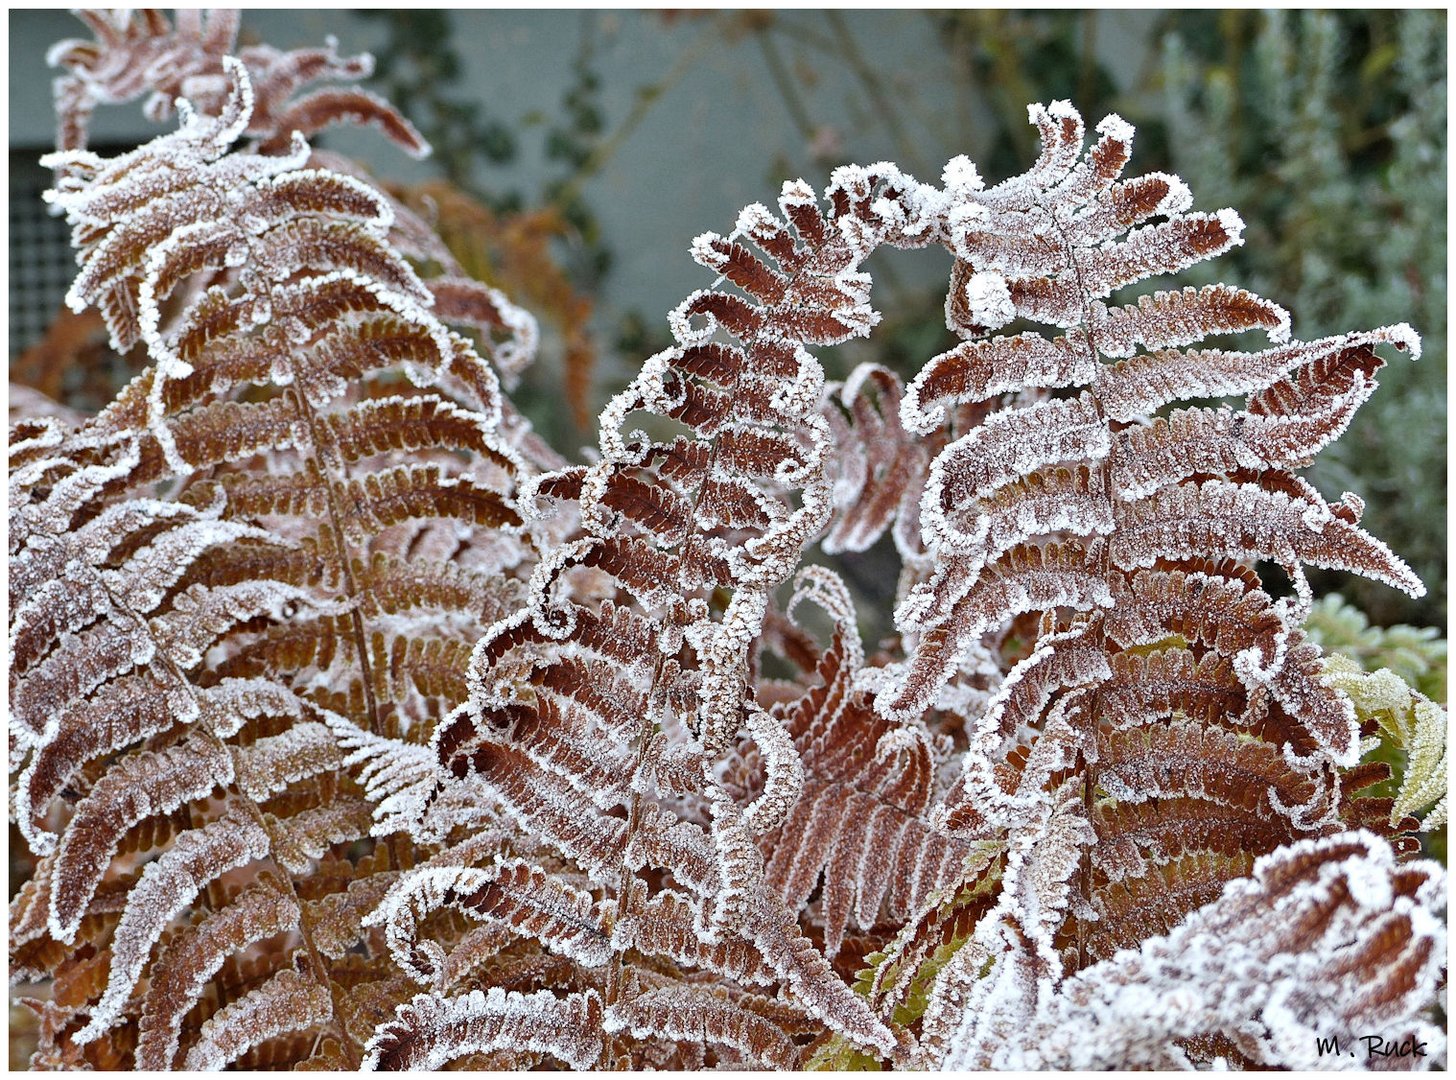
[{"x": 353, "y": 727}]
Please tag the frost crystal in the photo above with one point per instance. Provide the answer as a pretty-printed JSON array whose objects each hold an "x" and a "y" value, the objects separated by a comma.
[{"x": 989, "y": 300}]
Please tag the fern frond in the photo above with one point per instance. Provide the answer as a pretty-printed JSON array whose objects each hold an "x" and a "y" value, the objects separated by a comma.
[
  {"x": 191, "y": 958},
  {"x": 693, "y": 1014},
  {"x": 286, "y": 1002},
  {"x": 430, "y": 1031},
  {"x": 881, "y": 469},
  {"x": 167, "y": 647},
  {"x": 1212, "y": 971},
  {"x": 166, "y": 887},
  {"x": 142, "y": 785},
  {"x": 860, "y": 818},
  {"x": 137, "y": 53},
  {"x": 525, "y": 899}
]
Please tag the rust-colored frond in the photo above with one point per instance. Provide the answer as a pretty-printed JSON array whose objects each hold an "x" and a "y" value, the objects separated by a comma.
[
  {"x": 1181, "y": 699},
  {"x": 858, "y": 817},
  {"x": 1234, "y": 618},
  {"x": 325, "y": 108},
  {"x": 224, "y": 432},
  {"x": 534, "y": 903},
  {"x": 1139, "y": 906},
  {"x": 266, "y": 525},
  {"x": 1286, "y": 434},
  {"x": 302, "y": 565},
  {"x": 1180, "y": 758},
  {"x": 522, "y": 899},
  {"x": 666, "y": 924},
  {"x": 1147, "y": 687},
  {"x": 656, "y": 509},
  {"x": 404, "y": 493},
  {"x": 879, "y": 469},
  {"x": 979, "y": 369},
  {"x": 1167, "y": 319},
  {"x": 858, "y": 822},
  {"x": 1216, "y": 459},
  {"x": 144, "y": 784},
  {"x": 1146, "y": 382},
  {"x": 683, "y": 1012},
  {"x": 1028, "y": 578},
  {"x": 1223, "y": 520},
  {"x": 164, "y": 888},
  {"x": 138, "y": 53},
  {"x": 1326, "y": 900},
  {"x": 392, "y": 585},
  {"x": 193, "y": 956},
  {"x": 430, "y": 1031},
  {"x": 288, "y": 1001}
]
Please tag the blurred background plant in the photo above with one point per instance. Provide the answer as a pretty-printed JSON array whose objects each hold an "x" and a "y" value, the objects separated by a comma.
[
  {"x": 1327, "y": 130},
  {"x": 1394, "y": 675},
  {"x": 576, "y": 184},
  {"x": 1416, "y": 653}
]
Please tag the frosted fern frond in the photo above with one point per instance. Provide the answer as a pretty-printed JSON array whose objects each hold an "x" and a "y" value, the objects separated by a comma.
[
  {"x": 513, "y": 893},
  {"x": 1161, "y": 673},
  {"x": 138, "y": 53},
  {"x": 429, "y": 1031},
  {"x": 1367, "y": 954},
  {"x": 878, "y": 468},
  {"x": 859, "y": 821},
  {"x": 250, "y": 552},
  {"x": 1066, "y": 237}
]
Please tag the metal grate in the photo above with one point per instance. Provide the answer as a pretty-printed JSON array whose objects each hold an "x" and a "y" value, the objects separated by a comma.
[{"x": 41, "y": 263}]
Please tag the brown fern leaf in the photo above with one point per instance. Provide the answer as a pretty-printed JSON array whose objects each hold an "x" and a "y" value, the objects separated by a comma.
[
  {"x": 186, "y": 567},
  {"x": 1029, "y": 577},
  {"x": 881, "y": 470},
  {"x": 351, "y": 725},
  {"x": 523, "y": 899},
  {"x": 191, "y": 958},
  {"x": 1180, "y": 699},
  {"x": 1321, "y": 911},
  {"x": 728, "y": 508},
  {"x": 689, "y": 1013},
  {"x": 286, "y": 1002},
  {"x": 429, "y": 1031},
  {"x": 137, "y": 53},
  {"x": 859, "y": 819},
  {"x": 1150, "y": 471}
]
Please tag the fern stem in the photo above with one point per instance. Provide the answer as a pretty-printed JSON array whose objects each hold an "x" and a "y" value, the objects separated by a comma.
[
  {"x": 351, "y": 589},
  {"x": 1088, "y": 769}
]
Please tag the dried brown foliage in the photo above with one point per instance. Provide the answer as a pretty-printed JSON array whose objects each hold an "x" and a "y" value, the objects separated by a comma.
[
  {"x": 351, "y": 727},
  {"x": 513, "y": 253}
]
